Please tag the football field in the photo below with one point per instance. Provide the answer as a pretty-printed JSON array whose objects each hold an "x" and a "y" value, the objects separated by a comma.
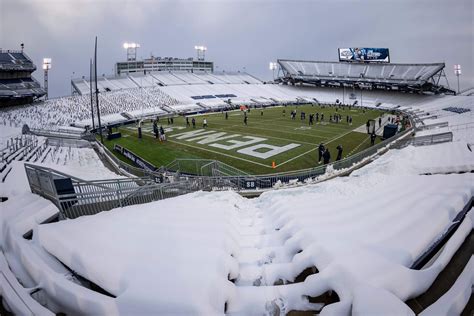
[{"x": 270, "y": 142}]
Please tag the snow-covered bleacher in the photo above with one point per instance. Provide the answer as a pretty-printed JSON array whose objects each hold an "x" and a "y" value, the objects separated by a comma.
[
  {"x": 232, "y": 254},
  {"x": 244, "y": 256},
  {"x": 416, "y": 73},
  {"x": 164, "y": 78},
  {"x": 65, "y": 111}
]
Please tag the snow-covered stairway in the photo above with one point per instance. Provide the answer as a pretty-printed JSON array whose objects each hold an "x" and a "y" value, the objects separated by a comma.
[{"x": 273, "y": 269}]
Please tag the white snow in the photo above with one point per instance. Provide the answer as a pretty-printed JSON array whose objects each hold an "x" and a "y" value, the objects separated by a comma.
[
  {"x": 186, "y": 266},
  {"x": 361, "y": 232},
  {"x": 82, "y": 163},
  {"x": 454, "y": 301}
]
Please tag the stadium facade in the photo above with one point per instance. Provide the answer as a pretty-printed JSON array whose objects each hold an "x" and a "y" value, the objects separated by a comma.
[
  {"x": 162, "y": 64},
  {"x": 416, "y": 78}
]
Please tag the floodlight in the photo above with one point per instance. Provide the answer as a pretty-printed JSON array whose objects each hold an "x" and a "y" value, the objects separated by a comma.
[
  {"x": 273, "y": 66},
  {"x": 457, "y": 69},
  {"x": 201, "y": 50},
  {"x": 457, "y": 72},
  {"x": 46, "y": 63},
  {"x": 131, "y": 45}
]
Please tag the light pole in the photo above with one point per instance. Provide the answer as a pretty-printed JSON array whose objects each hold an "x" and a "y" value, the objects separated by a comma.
[
  {"x": 131, "y": 53},
  {"x": 343, "y": 93},
  {"x": 201, "y": 52},
  {"x": 457, "y": 72},
  {"x": 46, "y": 68},
  {"x": 131, "y": 50},
  {"x": 273, "y": 66}
]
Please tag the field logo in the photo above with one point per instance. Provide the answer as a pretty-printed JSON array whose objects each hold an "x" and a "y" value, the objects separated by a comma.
[
  {"x": 211, "y": 138},
  {"x": 270, "y": 150}
]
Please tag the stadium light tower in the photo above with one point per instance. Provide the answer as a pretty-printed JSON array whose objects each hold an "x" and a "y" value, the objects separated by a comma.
[
  {"x": 46, "y": 68},
  {"x": 201, "y": 51},
  {"x": 273, "y": 66},
  {"x": 131, "y": 50},
  {"x": 457, "y": 72}
]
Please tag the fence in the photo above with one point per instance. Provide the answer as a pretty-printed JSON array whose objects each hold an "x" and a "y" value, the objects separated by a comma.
[
  {"x": 75, "y": 197},
  {"x": 428, "y": 139},
  {"x": 60, "y": 133},
  {"x": 203, "y": 167}
]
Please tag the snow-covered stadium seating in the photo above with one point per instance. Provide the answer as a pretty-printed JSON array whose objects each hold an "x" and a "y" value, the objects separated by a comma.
[
  {"x": 392, "y": 72},
  {"x": 215, "y": 252}
]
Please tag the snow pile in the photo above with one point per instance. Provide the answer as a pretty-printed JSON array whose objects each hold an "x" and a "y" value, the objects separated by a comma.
[
  {"x": 79, "y": 162},
  {"x": 172, "y": 256},
  {"x": 441, "y": 158},
  {"x": 361, "y": 233},
  {"x": 461, "y": 125},
  {"x": 454, "y": 301}
]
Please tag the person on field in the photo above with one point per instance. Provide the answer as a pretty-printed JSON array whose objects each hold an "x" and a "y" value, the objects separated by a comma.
[
  {"x": 194, "y": 122},
  {"x": 372, "y": 139},
  {"x": 162, "y": 134},
  {"x": 320, "y": 152},
  {"x": 187, "y": 121},
  {"x": 245, "y": 120},
  {"x": 226, "y": 115},
  {"x": 339, "y": 152},
  {"x": 380, "y": 122},
  {"x": 204, "y": 123},
  {"x": 326, "y": 156}
]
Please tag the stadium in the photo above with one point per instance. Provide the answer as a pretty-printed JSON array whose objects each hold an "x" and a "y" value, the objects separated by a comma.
[{"x": 340, "y": 186}]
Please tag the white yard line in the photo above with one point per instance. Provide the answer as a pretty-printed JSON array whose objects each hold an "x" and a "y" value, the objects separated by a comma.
[
  {"x": 296, "y": 157},
  {"x": 330, "y": 141}
]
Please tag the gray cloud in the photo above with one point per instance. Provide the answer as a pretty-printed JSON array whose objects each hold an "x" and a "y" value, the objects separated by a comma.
[{"x": 237, "y": 33}]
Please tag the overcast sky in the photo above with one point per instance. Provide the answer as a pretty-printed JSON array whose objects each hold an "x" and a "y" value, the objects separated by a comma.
[{"x": 238, "y": 34}]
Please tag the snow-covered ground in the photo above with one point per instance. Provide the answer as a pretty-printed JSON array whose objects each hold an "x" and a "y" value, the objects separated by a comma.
[
  {"x": 82, "y": 163},
  {"x": 361, "y": 232},
  {"x": 8, "y": 132}
]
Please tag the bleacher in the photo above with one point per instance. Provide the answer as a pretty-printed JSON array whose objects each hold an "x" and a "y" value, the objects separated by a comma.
[
  {"x": 409, "y": 77},
  {"x": 17, "y": 86},
  {"x": 163, "y": 78}
]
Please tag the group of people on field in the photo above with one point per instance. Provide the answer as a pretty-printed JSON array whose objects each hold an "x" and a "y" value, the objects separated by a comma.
[
  {"x": 325, "y": 155},
  {"x": 159, "y": 132}
]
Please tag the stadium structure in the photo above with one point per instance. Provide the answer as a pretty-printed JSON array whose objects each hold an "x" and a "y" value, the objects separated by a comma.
[
  {"x": 17, "y": 85},
  {"x": 91, "y": 229},
  {"x": 417, "y": 78}
]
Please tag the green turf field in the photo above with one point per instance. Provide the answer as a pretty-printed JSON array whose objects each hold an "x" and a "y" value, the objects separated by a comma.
[{"x": 231, "y": 142}]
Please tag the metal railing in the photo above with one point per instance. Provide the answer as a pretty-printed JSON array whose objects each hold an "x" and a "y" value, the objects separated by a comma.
[
  {"x": 216, "y": 175},
  {"x": 91, "y": 197},
  {"x": 428, "y": 139},
  {"x": 432, "y": 126},
  {"x": 203, "y": 167}
]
